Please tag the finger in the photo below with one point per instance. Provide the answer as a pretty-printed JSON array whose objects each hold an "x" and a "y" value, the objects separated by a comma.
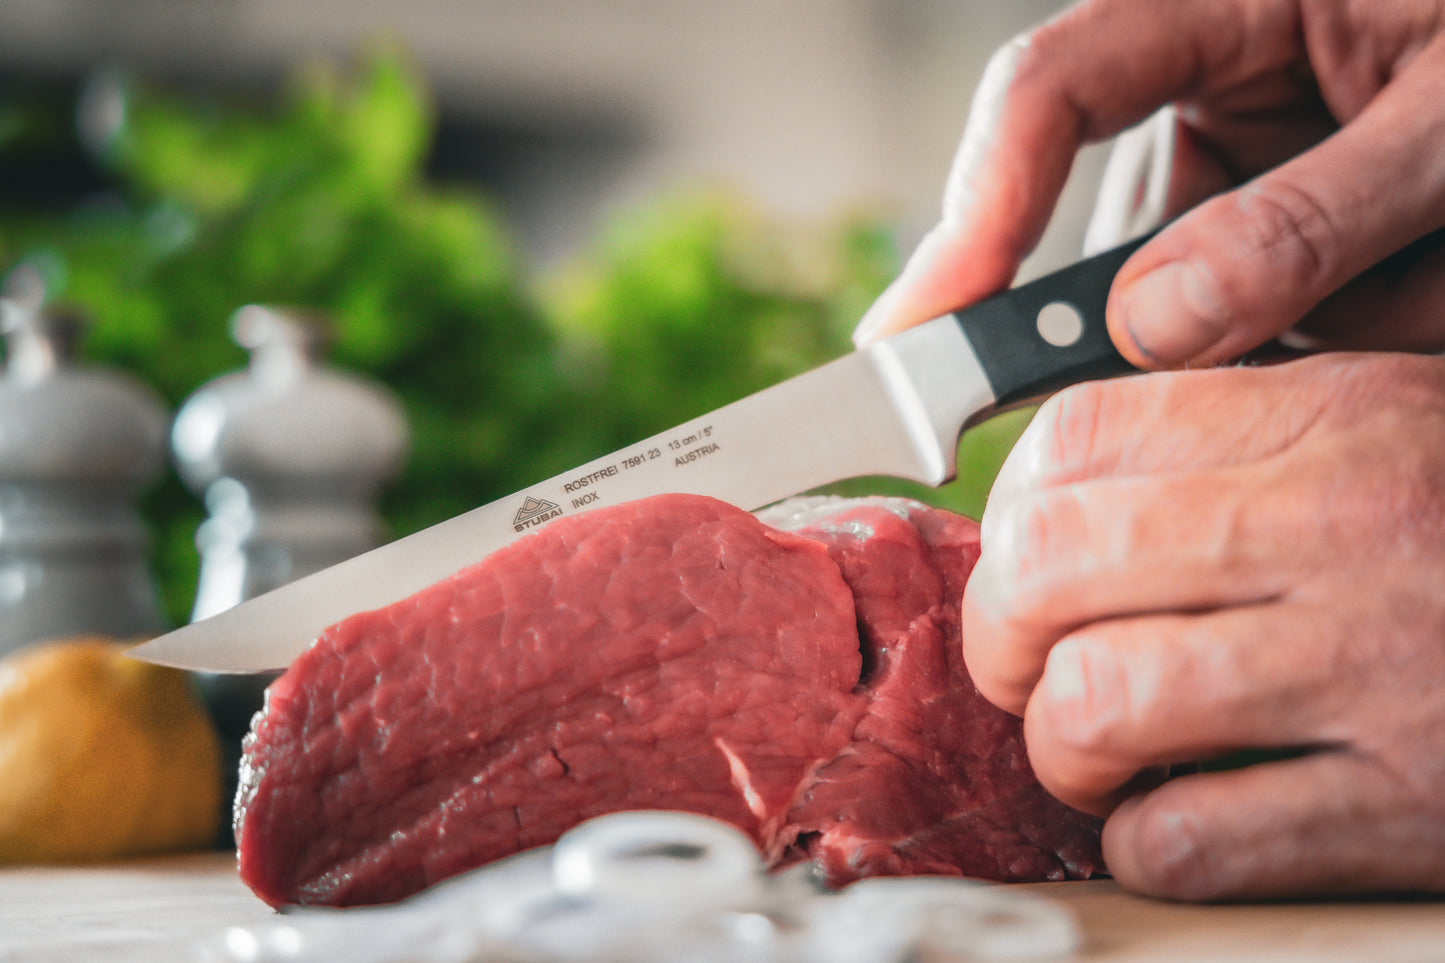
[
  {"x": 1093, "y": 71},
  {"x": 1119, "y": 697},
  {"x": 1165, "y": 422},
  {"x": 952, "y": 265},
  {"x": 1246, "y": 266},
  {"x": 1331, "y": 822},
  {"x": 1061, "y": 558}
]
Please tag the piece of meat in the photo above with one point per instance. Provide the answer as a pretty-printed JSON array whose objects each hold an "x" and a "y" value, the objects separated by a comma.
[
  {"x": 935, "y": 778},
  {"x": 671, "y": 653}
]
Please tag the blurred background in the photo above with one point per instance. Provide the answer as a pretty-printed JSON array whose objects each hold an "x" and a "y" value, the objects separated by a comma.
[{"x": 549, "y": 227}]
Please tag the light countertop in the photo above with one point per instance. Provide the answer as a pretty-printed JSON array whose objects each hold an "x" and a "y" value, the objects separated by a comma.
[{"x": 156, "y": 910}]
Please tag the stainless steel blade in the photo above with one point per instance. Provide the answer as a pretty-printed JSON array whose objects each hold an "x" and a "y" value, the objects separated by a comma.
[{"x": 895, "y": 409}]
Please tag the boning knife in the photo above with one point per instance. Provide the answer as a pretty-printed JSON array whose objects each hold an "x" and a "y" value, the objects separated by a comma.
[{"x": 895, "y": 408}]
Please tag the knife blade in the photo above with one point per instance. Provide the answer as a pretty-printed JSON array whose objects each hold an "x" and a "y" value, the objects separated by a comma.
[{"x": 896, "y": 408}]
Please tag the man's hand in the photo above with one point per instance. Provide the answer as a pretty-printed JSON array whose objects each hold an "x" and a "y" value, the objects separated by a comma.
[
  {"x": 1321, "y": 121},
  {"x": 1181, "y": 565}
]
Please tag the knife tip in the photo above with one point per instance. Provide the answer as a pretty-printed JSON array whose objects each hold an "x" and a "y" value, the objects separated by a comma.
[{"x": 176, "y": 651}]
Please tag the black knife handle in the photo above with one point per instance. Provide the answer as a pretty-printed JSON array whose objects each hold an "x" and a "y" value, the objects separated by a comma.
[{"x": 1049, "y": 333}]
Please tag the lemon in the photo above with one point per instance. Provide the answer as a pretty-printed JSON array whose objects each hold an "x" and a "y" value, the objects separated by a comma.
[{"x": 102, "y": 756}]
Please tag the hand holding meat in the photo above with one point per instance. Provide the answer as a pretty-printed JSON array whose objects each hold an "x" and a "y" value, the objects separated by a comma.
[
  {"x": 1180, "y": 565},
  {"x": 1185, "y": 564},
  {"x": 1331, "y": 115}
]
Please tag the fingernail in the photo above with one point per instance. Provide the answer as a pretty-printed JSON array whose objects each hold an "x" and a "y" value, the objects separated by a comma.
[{"x": 1174, "y": 313}]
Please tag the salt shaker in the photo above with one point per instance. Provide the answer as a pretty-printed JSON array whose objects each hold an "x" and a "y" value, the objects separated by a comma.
[
  {"x": 78, "y": 445},
  {"x": 290, "y": 455}
]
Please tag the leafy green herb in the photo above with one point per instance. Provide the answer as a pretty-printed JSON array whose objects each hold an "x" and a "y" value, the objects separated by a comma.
[{"x": 320, "y": 200}]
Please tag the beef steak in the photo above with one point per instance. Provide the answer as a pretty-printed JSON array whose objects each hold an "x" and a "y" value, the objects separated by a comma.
[{"x": 798, "y": 674}]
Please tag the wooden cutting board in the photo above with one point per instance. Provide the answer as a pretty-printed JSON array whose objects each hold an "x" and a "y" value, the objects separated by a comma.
[{"x": 157, "y": 910}]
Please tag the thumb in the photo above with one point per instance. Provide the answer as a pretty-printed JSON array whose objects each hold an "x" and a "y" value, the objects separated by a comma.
[{"x": 1246, "y": 266}]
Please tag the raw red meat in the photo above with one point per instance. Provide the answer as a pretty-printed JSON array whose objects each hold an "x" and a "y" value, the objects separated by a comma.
[{"x": 672, "y": 653}]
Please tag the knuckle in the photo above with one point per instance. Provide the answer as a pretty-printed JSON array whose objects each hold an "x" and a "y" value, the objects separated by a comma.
[
  {"x": 1019, "y": 592},
  {"x": 1031, "y": 54},
  {"x": 1034, "y": 539},
  {"x": 1083, "y": 698},
  {"x": 1069, "y": 429},
  {"x": 1172, "y": 853},
  {"x": 1294, "y": 232},
  {"x": 1416, "y": 498},
  {"x": 997, "y": 665},
  {"x": 1100, "y": 712},
  {"x": 1392, "y": 398},
  {"x": 1415, "y": 384},
  {"x": 1036, "y": 62},
  {"x": 1073, "y": 726}
]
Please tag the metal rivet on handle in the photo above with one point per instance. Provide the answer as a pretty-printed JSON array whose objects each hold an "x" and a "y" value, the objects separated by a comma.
[{"x": 1060, "y": 324}]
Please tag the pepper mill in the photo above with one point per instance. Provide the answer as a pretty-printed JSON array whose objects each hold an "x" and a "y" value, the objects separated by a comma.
[
  {"x": 289, "y": 456},
  {"x": 78, "y": 444}
]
